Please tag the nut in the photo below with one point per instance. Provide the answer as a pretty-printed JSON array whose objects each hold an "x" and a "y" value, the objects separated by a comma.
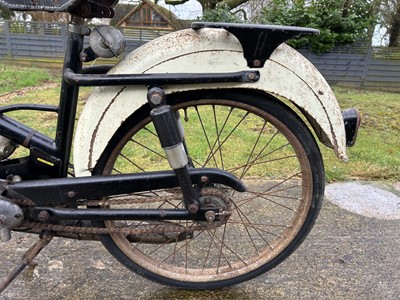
[
  {"x": 193, "y": 208},
  {"x": 43, "y": 216},
  {"x": 210, "y": 216}
]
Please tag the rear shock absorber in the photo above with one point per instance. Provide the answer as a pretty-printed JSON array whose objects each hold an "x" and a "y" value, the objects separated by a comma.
[{"x": 171, "y": 139}]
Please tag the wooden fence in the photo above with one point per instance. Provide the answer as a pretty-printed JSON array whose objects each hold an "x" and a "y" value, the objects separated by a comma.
[
  {"x": 39, "y": 40},
  {"x": 360, "y": 66},
  {"x": 355, "y": 65}
]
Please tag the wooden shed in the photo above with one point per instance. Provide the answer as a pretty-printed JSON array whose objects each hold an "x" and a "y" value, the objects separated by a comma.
[{"x": 149, "y": 15}]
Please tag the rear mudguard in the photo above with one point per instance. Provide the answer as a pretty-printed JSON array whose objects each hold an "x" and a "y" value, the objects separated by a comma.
[{"x": 285, "y": 74}]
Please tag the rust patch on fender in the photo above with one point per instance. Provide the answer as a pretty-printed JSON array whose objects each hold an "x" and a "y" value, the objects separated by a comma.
[{"x": 92, "y": 140}]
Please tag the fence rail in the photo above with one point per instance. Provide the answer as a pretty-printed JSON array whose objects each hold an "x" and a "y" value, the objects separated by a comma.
[
  {"x": 356, "y": 65},
  {"x": 41, "y": 40},
  {"x": 366, "y": 66}
]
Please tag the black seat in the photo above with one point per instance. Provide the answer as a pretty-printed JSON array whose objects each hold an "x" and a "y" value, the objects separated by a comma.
[
  {"x": 82, "y": 8},
  {"x": 42, "y": 5}
]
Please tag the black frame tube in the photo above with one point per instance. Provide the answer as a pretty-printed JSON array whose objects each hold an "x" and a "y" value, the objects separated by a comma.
[
  {"x": 8, "y": 108},
  {"x": 26, "y": 136},
  {"x": 92, "y": 79},
  {"x": 69, "y": 190},
  {"x": 69, "y": 96}
]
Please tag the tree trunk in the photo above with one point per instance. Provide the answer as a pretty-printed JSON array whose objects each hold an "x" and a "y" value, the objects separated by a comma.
[
  {"x": 346, "y": 5},
  {"x": 210, "y": 4},
  {"x": 394, "y": 30}
]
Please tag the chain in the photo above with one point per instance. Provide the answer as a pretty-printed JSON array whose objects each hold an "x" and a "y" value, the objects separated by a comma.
[
  {"x": 158, "y": 227},
  {"x": 122, "y": 230}
]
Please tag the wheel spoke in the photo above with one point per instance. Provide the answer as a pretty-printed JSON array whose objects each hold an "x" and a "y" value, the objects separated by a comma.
[
  {"x": 149, "y": 149},
  {"x": 206, "y": 136},
  {"x": 217, "y": 139},
  {"x": 226, "y": 138},
  {"x": 132, "y": 163},
  {"x": 239, "y": 211},
  {"x": 248, "y": 164},
  {"x": 261, "y": 194}
]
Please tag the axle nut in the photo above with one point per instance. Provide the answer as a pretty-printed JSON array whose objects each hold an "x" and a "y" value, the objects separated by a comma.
[
  {"x": 43, "y": 216},
  {"x": 193, "y": 208},
  {"x": 210, "y": 216}
]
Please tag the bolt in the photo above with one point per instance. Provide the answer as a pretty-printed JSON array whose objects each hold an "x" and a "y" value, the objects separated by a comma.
[
  {"x": 84, "y": 57},
  {"x": 256, "y": 63},
  {"x": 43, "y": 216},
  {"x": 156, "y": 96},
  {"x": 193, "y": 208},
  {"x": 204, "y": 179},
  {"x": 251, "y": 76},
  {"x": 156, "y": 99},
  {"x": 85, "y": 30},
  {"x": 71, "y": 194}
]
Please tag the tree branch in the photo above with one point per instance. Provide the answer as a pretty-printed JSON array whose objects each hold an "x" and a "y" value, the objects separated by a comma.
[{"x": 175, "y": 2}]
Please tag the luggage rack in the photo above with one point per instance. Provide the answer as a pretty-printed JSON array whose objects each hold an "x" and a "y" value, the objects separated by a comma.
[{"x": 258, "y": 41}]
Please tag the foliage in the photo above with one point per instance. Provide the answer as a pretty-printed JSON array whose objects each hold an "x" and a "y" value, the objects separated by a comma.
[
  {"x": 221, "y": 13},
  {"x": 210, "y": 4},
  {"x": 5, "y": 13},
  {"x": 340, "y": 22}
]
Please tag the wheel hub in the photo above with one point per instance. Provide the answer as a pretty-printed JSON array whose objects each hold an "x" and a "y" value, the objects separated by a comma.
[{"x": 214, "y": 198}]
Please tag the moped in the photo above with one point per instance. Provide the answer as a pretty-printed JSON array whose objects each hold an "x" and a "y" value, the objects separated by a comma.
[{"x": 195, "y": 159}]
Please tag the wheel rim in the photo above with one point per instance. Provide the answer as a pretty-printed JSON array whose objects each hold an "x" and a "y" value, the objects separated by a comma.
[{"x": 264, "y": 220}]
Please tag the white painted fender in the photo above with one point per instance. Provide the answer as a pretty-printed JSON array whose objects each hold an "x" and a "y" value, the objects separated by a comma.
[{"x": 285, "y": 74}]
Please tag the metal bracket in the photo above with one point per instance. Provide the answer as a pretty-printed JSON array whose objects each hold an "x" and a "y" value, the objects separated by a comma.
[{"x": 258, "y": 41}]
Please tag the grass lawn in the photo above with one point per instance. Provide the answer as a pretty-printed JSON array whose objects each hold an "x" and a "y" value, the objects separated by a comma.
[{"x": 376, "y": 155}]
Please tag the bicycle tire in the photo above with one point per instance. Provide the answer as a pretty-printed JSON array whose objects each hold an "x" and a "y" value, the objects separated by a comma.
[{"x": 284, "y": 171}]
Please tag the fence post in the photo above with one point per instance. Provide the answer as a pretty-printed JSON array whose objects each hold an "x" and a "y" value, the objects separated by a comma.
[
  {"x": 8, "y": 38},
  {"x": 367, "y": 63},
  {"x": 64, "y": 36}
]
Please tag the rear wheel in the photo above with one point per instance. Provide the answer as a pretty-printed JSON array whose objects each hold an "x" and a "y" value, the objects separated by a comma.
[{"x": 256, "y": 138}]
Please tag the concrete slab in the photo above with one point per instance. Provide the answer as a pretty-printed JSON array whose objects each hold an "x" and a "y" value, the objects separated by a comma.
[
  {"x": 347, "y": 255},
  {"x": 373, "y": 200}
]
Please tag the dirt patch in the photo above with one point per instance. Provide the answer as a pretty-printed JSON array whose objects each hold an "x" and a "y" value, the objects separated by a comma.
[{"x": 4, "y": 98}]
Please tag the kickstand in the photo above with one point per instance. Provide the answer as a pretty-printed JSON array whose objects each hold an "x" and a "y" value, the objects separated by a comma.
[{"x": 27, "y": 258}]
